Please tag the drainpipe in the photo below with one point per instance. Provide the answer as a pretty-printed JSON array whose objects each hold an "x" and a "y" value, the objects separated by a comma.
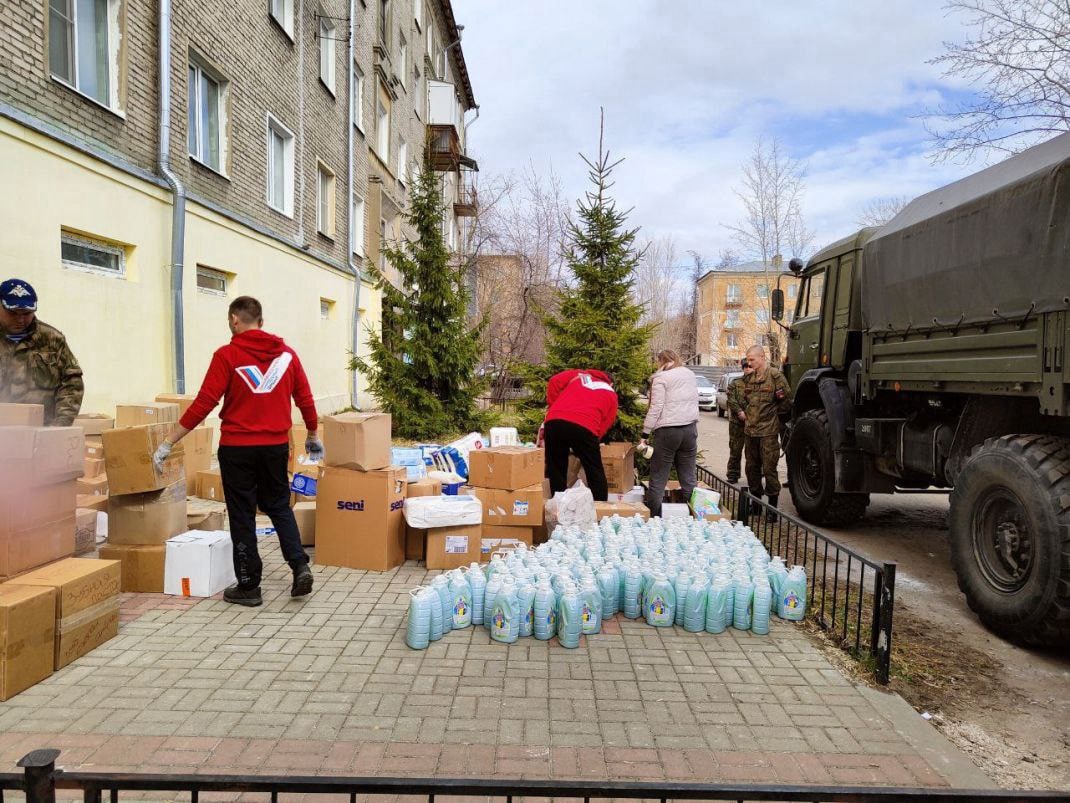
[
  {"x": 354, "y": 266},
  {"x": 178, "y": 190}
]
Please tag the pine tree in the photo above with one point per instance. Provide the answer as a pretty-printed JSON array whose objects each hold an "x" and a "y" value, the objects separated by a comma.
[
  {"x": 422, "y": 367},
  {"x": 597, "y": 324}
]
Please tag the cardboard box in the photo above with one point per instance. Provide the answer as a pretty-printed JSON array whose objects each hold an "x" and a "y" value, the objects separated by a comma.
[
  {"x": 415, "y": 543},
  {"x": 424, "y": 487},
  {"x": 626, "y": 509},
  {"x": 94, "y": 447},
  {"x": 85, "y": 530},
  {"x": 92, "y": 467},
  {"x": 357, "y": 440},
  {"x": 128, "y": 459},
  {"x": 183, "y": 400},
  {"x": 519, "y": 508},
  {"x": 359, "y": 522},
  {"x": 87, "y": 603},
  {"x": 197, "y": 446},
  {"x": 305, "y": 513},
  {"x": 618, "y": 460},
  {"x": 198, "y": 564},
  {"x": 27, "y": 637},
  {"x": 22, "y": 415},
  {"x": 92, "y": 424},
  {"x": 32, "y": 456},
  {"x": 92, "y": 486},
  {"x": 142, "y": 566},
  {"x": 495, "y": 538},
  {"x": 675, "y": 510},
  {"x": 709, "y": 515},
  {"x": 210, "y": 485},
  {"x": 298, "y": 436},
  {"x": 137, "y": 415},
  {"x": 36, "y": 526},
  {"x": 505, "y": 467},
  {"x": 204, "y": 520},
  {"x": 91, "y": 502},
  {"x": 149, "y": 518},
  {"x": 453, "y": 547}
]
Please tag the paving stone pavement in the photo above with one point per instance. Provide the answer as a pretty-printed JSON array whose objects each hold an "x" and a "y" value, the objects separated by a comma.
[{"x": 327, "y": 685}]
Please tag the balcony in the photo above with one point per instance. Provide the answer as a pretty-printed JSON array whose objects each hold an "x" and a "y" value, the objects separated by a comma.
[
  {"x": 733, "y": 300},
  {"x": 467, "y": 199},
  {"x": 445, "y": 147}
]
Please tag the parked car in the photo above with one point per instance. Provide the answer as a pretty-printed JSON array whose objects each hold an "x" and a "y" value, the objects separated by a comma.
[
  {"x": 722, "y": 392},
  {"x": 707, "y": 393}
]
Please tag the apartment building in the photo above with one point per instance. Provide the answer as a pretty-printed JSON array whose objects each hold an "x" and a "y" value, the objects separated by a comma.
[
  {"x": 159, "y": 159},
  {"x": 733, "y": 310}
]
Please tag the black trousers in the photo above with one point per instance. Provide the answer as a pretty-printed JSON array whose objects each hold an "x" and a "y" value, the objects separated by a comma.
[
  {"x": 562, "y": 438},
  {"x": 255, "y": 476},
  {"x": 673, "y": 446}
]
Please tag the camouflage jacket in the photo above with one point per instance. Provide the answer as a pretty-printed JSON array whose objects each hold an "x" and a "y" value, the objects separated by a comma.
[
  {"x": 42, "y": 370},
  {"x": 735, "y": 399},
  {"x": 765, "y": 397}
]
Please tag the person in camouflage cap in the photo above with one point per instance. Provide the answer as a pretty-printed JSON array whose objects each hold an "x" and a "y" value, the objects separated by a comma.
[
  {"x": 736, "y": 438},
  {"x": 766, "y": 396},
  {"x": 36, "y": 364}
]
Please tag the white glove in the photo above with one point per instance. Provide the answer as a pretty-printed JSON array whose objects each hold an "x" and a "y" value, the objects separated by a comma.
[{"x": 162, "y": 453}]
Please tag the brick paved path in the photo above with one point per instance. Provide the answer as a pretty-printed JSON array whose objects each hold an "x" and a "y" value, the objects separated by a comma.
[{"x": 327, "y": 685}]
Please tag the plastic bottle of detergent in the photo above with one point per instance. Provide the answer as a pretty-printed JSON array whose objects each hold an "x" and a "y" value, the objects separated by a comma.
[
  {"x": 608, "y": 586},
  {"x": 441, "y": 584},
  {"x": 632, "y": 580},
  {"x": 743, "y": 604},
  {"x": 505, "y": 614},
  {"x": 695, "y": 604},
  {"x": 526, "y": 604},
  {"x": 590, "y": 606},
  {"x": 460, "y": 600},
  {"x": 490, "y": 594},
  {"x": 659, "y": 602},
  {"x": 418, "y": 629},
  {"x": 792, "y": 605},
  {"x": 682, "y": 584},
  {"x": 477, "y": 581},
  {"x": 545, "y": 610},
  {"x": 777, "y": 573},
  {"x": 762, "y": 594},
  {"x": 717, "y": 604},
  {"x": 436, "y": 613},
  {"x": 568, "y": 618}
]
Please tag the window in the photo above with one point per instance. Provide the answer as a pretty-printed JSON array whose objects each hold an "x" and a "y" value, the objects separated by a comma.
[
  {"x": 382, "y": 130},
  {"x": 327, "y": 38},
  {"x": 280, "y": 162},
  {"x": 325, "y": 308},
  {"x": 211, "y": 281},
  {"x": 734, "y": 294},
  {"x": 731, "y": 341},
  {"x": 403, "y": 61},
  {"x": 403, "y": 162},
  {"x": 761, "y": 315},
  {"x": 82, "y": 253},
  {"x": 282, "y": 11},
  {"x": 418, "y": 13},
  {"x": 324, "y": 200},
  {"x": 358, "y": 97},
  {"x": 356, "y": 234},
  {"x": 431, "y": 45},
  {"x": 813, "y": 288},
  {"x": 763, "y": 291},
  {"x": 382, "y": 245},
  {"x": 793, "y": 290},
  {"x": 732, "y": 319},
  {"x": 205, "y": 131},
  {"x": 384, "y": 22},
  {"x": 83, "y": 47}
]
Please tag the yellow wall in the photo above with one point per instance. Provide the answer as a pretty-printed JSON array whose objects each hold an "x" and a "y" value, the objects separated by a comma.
[{"x": 120, "y": 329}]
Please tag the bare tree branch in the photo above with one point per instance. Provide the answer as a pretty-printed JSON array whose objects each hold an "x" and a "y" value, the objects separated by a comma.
[{"x": 880, "y": 210}]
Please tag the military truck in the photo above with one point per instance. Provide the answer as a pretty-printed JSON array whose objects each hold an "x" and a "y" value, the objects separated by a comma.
[{"x": 932, "y": 353}]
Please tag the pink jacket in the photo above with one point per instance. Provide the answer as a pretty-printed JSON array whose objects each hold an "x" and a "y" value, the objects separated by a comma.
[{"x": 673, "y": 399}]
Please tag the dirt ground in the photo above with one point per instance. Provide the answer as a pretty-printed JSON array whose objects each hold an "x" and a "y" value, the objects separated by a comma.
[{"x": 1008, "y": 708}]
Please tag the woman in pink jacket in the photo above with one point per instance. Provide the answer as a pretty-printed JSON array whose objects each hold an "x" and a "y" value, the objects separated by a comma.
[{"x": 672, "y": 418}]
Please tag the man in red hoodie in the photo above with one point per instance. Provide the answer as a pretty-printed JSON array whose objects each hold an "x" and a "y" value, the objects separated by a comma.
[
  {"x": 256, "y": 374},
  {"x": 581, "y": 407}
]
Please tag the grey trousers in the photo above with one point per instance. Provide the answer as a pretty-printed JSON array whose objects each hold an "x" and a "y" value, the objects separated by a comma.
[{"x": 673, "y": 446}]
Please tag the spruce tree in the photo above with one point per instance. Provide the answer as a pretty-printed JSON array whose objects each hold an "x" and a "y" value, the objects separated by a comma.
[
  {"x": 597, "y": 324},
  {"x": 422, "y": 366}
]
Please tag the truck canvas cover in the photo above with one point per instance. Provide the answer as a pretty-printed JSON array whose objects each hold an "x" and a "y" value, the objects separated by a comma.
[{"x": 993, "y": 245}]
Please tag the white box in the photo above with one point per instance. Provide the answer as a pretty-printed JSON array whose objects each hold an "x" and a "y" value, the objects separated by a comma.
[
  {"x": 198, "y": 563},
  {"x": 425, "y": 512},
  {"x": 675, "y": 510}
]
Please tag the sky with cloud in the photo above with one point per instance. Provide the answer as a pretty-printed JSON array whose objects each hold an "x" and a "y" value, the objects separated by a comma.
[{"x": 688, "y": 86}]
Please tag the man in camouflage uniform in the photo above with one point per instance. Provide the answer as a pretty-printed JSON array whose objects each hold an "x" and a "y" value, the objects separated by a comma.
[
  {"x": 766, "y": 396},
  {"x": 736, "y": 438},
  {"x": 36, "y": 365}
]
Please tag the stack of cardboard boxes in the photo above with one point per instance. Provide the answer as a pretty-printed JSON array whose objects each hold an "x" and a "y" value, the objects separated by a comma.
[
  {"x": 147, "y": 505},
  {"x": 93, "y": 486},
  {"x": 359, "y": 499},
  {"x": 508, "y": 480}
]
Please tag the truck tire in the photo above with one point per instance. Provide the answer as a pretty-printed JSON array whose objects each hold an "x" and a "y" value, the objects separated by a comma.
[
  {"x": 812, "y": 475},
  {"x": 720, "y": 412},
  {"x": 1010, "y": 537}
]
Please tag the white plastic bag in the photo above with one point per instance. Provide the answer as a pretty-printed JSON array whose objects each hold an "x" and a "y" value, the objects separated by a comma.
[
  {"x": 423, "y": 512},
  {"x": 572, "y": 507}
]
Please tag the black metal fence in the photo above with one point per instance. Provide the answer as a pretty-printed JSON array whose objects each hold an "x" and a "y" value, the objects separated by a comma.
[
  {"x": 40, "y": 780},
  {"x": 850, "y": 596}
]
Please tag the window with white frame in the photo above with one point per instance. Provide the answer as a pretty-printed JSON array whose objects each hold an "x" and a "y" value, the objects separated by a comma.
[
  {"x": 356, "y": 234},
  {"x": 763, "y": 291},
  {"x": 211, "y": 281},
  {"x": 732, "y": 319},
  {"x": 326, "y": 305},
  {"x": 403, "y": 61},
  {"x": 79, "y": 252},
  {"x": 280, "y": 167},
  {"x": 328, "y": 50},
  {"x": 731, "y": 341},
  {"x": 403, "y": 162},
  {"x": 382, "y": 130},
  {"x": 324, "y": 200},
  {"x": 734, "y": 294},
  {"x": 357, "y": 87},
  {"x": 83, "y": 47},
  {"x": 206, "y": 129},
  {"x": 384, "y": 23},
  {"x": 793, "y": 290},
  {"x": 761, "y": 315},
  {"x": 282, "y": 11}
]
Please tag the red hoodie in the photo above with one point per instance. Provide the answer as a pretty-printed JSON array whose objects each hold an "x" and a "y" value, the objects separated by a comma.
[
  {"x": 257, "y": 375},
  {"x": 585, "y": 397}
]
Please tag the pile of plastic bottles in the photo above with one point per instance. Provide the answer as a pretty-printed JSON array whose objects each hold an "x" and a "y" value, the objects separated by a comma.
[{"x": 699, "y": 575}]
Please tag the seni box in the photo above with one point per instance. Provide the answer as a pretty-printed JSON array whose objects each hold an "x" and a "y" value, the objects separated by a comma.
[{"x": 359, "y": 519}]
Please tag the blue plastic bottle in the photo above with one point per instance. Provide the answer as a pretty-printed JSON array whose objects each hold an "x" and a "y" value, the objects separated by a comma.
[
  {"x": 792, "y": 605},
  {"x": 695, "y": 605},
  {"x": 743, "y": 604},
  {"x": 681, "y": 586},
  {"x": 526, "y": 603},
  {"x": 568, "y": 618},
  {"x": 494, "y": 585},
  {"x": 632, "y": 580},
  {"x": 545, "y": 611},
  {"x": 608, "y": 587},
  {"x": 505, "y": 614},
  {"x": 418, "y": 629},
  {"x": 460, "y": 600},
  {"x": 441, "y": 584},
  {"x": 659, "y": 602},
  {"x": 760, "y": 618},
  {"x": 590, "y": 606},
  {"x": 717, "y": 605},
  {"x": 477, "y": 582},
  {"x": 436, "y": 613}
]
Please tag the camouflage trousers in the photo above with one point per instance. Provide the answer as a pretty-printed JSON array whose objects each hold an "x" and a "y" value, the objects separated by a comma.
[
  {"x": 763, "y": 458},
  {"x": 736, "y": 440}
]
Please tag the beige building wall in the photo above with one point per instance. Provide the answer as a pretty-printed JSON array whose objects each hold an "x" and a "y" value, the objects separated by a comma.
[{"x": 733, "y": 312}]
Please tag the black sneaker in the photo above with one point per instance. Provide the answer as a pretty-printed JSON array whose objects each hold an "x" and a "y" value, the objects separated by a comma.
[
  {"x": 249, "y": 597},
  {"x": 302, "y": 581}
]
